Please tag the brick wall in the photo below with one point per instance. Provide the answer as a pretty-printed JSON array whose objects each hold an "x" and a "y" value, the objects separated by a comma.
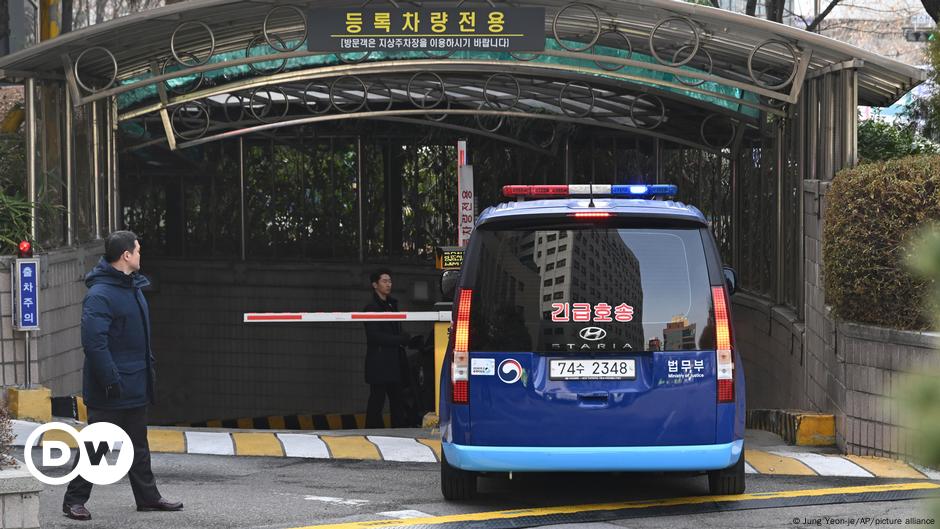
[
  {"x": 55, "y": 351},
  {"x": 851, "y": 371},
  {"x": 211, "y": 365}
]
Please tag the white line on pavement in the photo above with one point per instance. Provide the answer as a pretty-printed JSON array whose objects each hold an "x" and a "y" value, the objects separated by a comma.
[
  {"x": 828, "y": 465},
  {"x": 403, "y": 449},
  {"x": 303, "y": 445},
  {"x": 337, "y": 501},
  {"x": 748, "y": 469},
  {"x": 930, "y": 473},
  {"x": 404, "y": 515},
  {"x": 213, "y": 443}
]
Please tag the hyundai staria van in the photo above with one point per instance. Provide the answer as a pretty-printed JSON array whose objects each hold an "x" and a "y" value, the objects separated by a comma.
[{"x": 592, "y": 332}]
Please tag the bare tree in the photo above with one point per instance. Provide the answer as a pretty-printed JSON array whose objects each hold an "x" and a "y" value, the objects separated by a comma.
[
  {"x": 933, "y": 9},
  {"x": 822, "y": 15}
]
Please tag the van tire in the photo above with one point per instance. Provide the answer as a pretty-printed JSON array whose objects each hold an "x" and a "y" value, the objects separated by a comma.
[
  {"x": 457, "y": 484},
  {"x": 727, "y": 480}
]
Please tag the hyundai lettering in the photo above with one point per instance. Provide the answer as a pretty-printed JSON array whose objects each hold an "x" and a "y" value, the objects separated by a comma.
[{"x": 592, "y": 332}]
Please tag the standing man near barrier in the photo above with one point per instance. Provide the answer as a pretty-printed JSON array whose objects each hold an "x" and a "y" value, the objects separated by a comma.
[
  {"x": 118, "y": 379},
  {"x": 385, "y": 341}
]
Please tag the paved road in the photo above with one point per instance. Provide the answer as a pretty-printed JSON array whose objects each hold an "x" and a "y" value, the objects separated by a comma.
[{"x": 262, "y": 492}]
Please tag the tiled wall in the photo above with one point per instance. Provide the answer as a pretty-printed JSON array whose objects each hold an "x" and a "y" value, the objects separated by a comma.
[{"x": 55, "y": 351}]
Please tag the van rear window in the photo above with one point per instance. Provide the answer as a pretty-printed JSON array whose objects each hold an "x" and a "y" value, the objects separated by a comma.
[{"x": 591, "y": 289}]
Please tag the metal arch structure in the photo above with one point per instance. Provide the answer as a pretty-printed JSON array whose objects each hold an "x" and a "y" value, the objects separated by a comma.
[
  {"x": 697, "y": 62},
  {"x": 681, "y": 73}
]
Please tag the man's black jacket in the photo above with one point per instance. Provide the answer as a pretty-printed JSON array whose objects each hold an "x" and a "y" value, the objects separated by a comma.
[{"x": 384, "y": 339}]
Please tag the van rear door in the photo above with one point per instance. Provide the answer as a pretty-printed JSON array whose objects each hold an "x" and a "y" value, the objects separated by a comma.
[{"x": 591, "y": 335}]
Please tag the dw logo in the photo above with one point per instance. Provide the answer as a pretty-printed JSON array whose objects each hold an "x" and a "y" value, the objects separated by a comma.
[{"x": 94, "y": 442}]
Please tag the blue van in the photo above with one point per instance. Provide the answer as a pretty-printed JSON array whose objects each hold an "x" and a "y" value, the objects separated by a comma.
[{"x": 592, "y": 332}]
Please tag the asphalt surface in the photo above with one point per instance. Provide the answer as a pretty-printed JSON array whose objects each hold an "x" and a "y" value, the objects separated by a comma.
[{"x": 260, "y": 492}]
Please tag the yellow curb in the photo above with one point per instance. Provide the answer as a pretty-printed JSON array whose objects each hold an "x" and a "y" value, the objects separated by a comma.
[
  {"x": 82, "y": 410},
  {"x": 351, "y": 447},
  {"x": 33, "y": 404},
  {"x": 815, "y": 430},
  {"x": 257, "y": 444},
  {"x": 767, "y": 463},
  {"x": 886, "y": 468},
  {"x": 170, "y": 441},
  {"x": 433, "y": 444}
]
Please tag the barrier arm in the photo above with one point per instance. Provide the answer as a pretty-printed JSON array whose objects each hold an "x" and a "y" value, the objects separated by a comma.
[{"x": 441, "y": 325}]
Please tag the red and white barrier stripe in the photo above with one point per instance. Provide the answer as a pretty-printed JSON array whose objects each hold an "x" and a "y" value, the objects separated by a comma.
[{"x": 337, "y": 317}]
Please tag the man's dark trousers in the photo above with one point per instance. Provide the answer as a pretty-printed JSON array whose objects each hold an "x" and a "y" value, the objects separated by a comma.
[
  {"x": 144, "y": 485},
  {"x": 396, "y": 404}
]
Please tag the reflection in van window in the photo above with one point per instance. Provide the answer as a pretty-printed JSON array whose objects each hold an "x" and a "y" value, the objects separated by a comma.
[{"x": 651, "y": 292}]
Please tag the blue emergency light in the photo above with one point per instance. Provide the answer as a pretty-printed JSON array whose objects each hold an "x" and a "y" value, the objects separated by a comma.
[{"x": 571, "y": 190}]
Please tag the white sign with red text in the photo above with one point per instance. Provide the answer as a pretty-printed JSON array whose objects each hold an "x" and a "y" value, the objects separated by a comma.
[{"x": 465, "y": 213}]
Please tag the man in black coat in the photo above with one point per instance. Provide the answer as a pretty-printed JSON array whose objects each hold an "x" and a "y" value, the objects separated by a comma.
[
  {"x": 118, "y": 378},
  {"x": 385, "y": 341}
]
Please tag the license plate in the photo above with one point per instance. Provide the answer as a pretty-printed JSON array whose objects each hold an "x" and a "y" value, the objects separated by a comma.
[{"x": 609, "y": 369}]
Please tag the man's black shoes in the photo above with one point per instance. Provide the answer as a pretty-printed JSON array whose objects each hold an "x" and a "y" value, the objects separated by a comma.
[
  {"x": 162, "y": 505},
  {"x": 76, "y": 512}
]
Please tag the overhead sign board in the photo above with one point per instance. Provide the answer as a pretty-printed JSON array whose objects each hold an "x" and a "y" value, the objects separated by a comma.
[
  {"x": 412, "y": 29},
  {"x": 26, "y": 294}
]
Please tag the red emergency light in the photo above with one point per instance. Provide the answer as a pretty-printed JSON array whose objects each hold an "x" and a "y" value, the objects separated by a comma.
[{"x": 25, "y": 249}]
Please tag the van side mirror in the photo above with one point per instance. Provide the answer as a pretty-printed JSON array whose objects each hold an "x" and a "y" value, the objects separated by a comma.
[
  {"x": 731, "y": 279},
  {"x": 449, "y": 281}
]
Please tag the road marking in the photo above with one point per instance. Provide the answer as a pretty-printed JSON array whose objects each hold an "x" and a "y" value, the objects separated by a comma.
[
  {"x": 351, "y": 447},
  {"x": 885, "y": 468},
  {"x": 337, "y": 501},
  {"x": 668, "y": 502},
  {"x": 767, "y": 463},
  {"x": 168, "y": 441},
  {"x": 434, "y": 445},
  {"x": 212, "y": 443},
  {"x": 404, "y": 515},
  {"x": 257, "y": 444},
  {"x": 828, "y": 465},
  {"x": 403, "y": 449},
  {"x": 303, "y": 445},
  {"x": 748, "y": 469},
  {"x": 930, "y": 473}
]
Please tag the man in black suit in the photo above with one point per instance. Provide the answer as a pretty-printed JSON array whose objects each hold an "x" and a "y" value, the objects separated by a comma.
[{"x": 385, "y": 341}]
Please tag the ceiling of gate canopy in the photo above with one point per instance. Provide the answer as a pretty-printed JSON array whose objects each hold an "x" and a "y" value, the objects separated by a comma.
[{"x": 204, "y": 70}]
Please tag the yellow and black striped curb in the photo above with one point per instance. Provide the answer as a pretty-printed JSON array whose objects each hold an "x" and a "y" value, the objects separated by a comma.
[
  {"x": 417, "y": 450},
  {"x": 801, "y": 428},
  {"x": 74, "y": 408},
  {"x": 323, "y": 421}
]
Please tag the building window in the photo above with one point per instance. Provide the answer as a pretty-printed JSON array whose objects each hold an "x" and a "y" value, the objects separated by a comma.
[
  {"x": 563, "y": 247},
  {"x": 549, "y": 266},
  {"x": 547, "y": 283},
  {"x": 559, "y": 295},
  {"x": 562, "y": 263},
  {"x": 547, "y": 297},
  {"x": 550, "y": 251},
  {"x": 552, "y": 237},
  {"x": 558, "y": 280}
]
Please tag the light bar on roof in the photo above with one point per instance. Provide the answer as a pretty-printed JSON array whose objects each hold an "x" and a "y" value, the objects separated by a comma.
[{"x": 597, "y": 190}]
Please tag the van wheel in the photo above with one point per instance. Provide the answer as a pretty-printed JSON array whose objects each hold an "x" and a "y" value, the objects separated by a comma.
[
  {"x": 457, "y": 484},
  {"x": 727, "y": 480}
]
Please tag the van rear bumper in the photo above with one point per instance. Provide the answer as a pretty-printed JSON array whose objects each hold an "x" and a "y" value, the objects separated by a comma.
[{"x": 596, "y": 458}]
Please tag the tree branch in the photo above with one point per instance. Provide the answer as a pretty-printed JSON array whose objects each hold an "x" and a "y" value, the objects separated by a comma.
[{"x": 823, "y": 15}]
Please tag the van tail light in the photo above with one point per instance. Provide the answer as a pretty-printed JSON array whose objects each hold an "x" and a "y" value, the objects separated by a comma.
[
  {"x": 725, "y": 361},
  {"x": 460, "y": 367}
]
